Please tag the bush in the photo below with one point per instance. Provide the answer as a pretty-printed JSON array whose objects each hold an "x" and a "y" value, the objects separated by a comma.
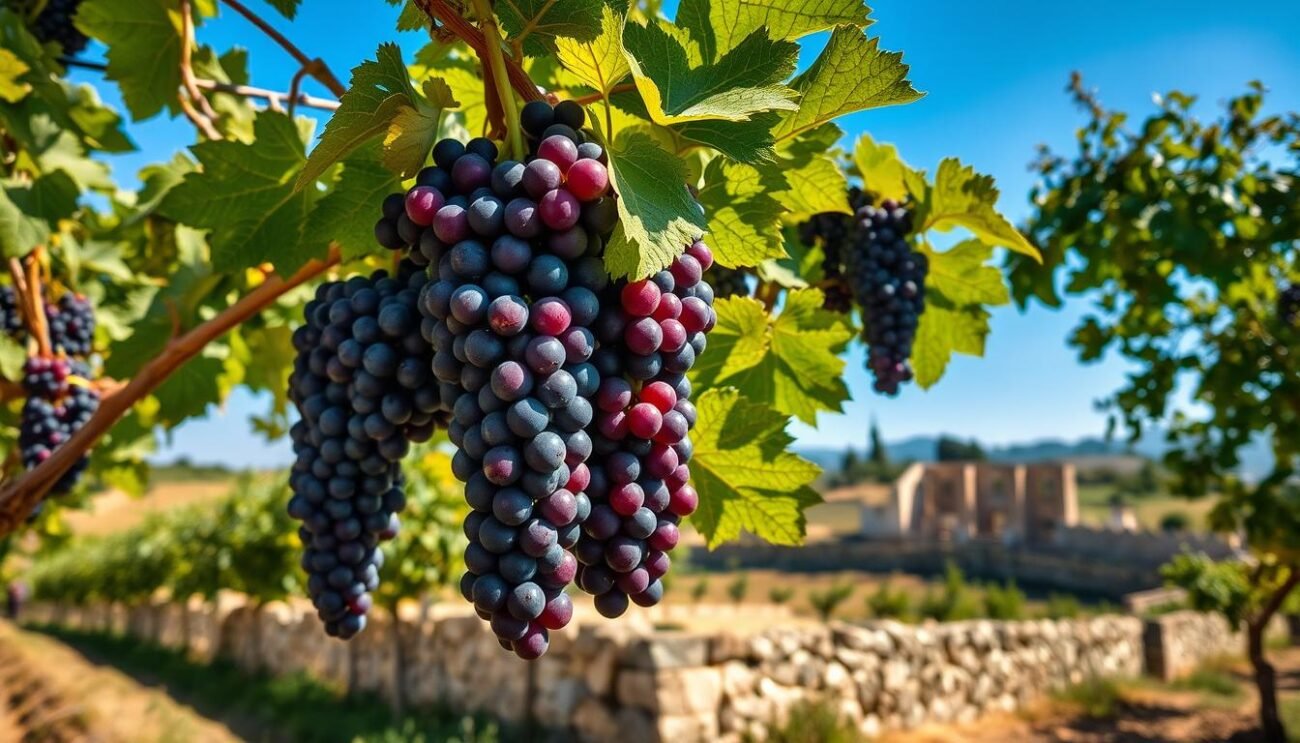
[
  {"x": 780, "y": 595},
  {"x": 1095, "y": 698},
  {"x": 826, "y": 602},
  {"x": 738, "y": 588},
  {"x": 954, "y": 602},
  {"x": 1175, "y": 522},
  {"x": 886, "y": 603},
  {"x": 1062, "y": 606},
  {"x": 699, "y": 590},
  {"x": 1004, "y": 602},
  {"x": 812, "y": 722}
]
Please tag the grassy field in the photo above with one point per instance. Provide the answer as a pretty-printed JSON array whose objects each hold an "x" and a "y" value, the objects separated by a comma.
[{"x": 1094, "y": 507}]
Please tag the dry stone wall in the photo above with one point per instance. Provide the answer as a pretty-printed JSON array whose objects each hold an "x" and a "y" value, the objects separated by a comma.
[{"x": 627, "y": 682}]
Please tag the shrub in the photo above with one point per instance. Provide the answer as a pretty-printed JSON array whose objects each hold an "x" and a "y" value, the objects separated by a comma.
[
  {"x": 1175, "y": 522},
  {"x": 812, "y": 722},
  {"x": 738, "y": 588},
  {"x": 1062, "y": 606},
  {"x": 826, "y": 602},
  {"x": 780, "y": 595},
  {"x": 1004, "y": 602},
  {"x": 699, "y": 590},
  {"x": 886, "y": 603}
]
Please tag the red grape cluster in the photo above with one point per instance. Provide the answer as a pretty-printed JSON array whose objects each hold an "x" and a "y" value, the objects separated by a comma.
[
  {"x": 362, "y": 386},
  {"x": 651, "y": 332}
]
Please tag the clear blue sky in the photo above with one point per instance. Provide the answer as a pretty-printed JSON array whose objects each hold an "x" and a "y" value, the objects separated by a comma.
[{"x": 994, "y": 73}]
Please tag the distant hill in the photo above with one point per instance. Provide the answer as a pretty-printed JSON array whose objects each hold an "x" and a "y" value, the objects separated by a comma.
[{"x": 1256, "y": 458}]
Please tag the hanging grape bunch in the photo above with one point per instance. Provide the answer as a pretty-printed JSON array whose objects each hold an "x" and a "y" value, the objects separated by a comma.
[
  {"x": 833, "y": 230},
  {"x": 651, "y": 332},
  {"x": 888, "y": 281},
  {"x": 1288, "y": 305},
  {"x": 363, "y": 389},
  {"x": 53, "y": 23},
  {"x": 727, "y": 282}
]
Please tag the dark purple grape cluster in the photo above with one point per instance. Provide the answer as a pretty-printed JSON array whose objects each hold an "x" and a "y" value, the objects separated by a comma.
[
  {"x": 888, "y": 281},
  {"x": 59, "y": 402},
  {"x": 651, "y": 332},
  {"x": 1288, "y": 305},
  {"x": 11, "y": 317},
  {"x": 727, "y": 282},
  {"x": 364, "y": 390},
  {"x": 72, "y": 324},
  {"x": 54, "y": 23},
  {"x": 515, "y": 247},
  {"x": 833, "y": 231}
]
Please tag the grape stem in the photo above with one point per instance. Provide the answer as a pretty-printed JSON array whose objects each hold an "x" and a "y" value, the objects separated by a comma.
[
  {"x": 203, "y": 116},
  {"x": 274, "y": 98},
  {"x": 593, "y": 97},
  {"x": 767, "y": 292},
  {"x": 494, "y": 67},
  {"x": 442, "y": 12},
  {"x": 320, "y": 70},
  {"x": 27, "y": 284},
  {"x": 20, "y": 496}
]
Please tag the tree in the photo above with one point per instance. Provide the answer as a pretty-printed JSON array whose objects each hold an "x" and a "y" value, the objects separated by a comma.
[
  {"x": 1181, "y": 232},
  {"x": 827, "y": 602},
  {"x": 849, "y": 465},
  {"x": 951, "y": 449},
  {"x": 876, "y": 452}
]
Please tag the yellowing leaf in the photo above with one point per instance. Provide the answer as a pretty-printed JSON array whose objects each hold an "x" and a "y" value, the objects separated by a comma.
[
  {"x": 852, "y": 74},
  {"x": 819, "y": 186},
  {"x": 599, "y": 63},
  {"x": 963, "y": 198},
  {"x": 746, "y": 479},
  {"x": 885, "y": 173},
  {"x": 962, "y": 275},
  {"x": 719, "y": 25},
  {"x": 11, "y": 69},
  {"x": 744, "y": 220},
  {"x": 413, "y": 131}
]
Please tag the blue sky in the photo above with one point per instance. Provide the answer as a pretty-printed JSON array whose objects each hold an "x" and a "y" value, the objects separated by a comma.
[{"x": 994, "y": 73}]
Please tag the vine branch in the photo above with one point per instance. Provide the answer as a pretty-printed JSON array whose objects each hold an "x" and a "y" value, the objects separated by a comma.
[
  {"x": 594, "y": 97},
  {"x": 320, "y": 70},
  {"x": 440, "y": 11},
  {"x": 203, "y": 116},
  {"x": 19, "y": 497},
  {"x": 273, "y": 97}
]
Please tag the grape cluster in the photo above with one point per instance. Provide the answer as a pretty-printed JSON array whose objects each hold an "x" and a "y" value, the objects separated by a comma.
[
  {"x": 1288, "y": 304},
  {"x": 516, "y": 248},
  {"x": 888, "y": 281},
  {"x": 72, "y": 324},
  {"x": 727, "y": 282},
  {"x": 59, "y": 402},
  {"x": 363, "y": 388},
  {"x": 833, "y": 231},
  {"x": 11, "y": 317},
  {"x": 651, "y": 332},
  {"x": 54, "y": 23}
]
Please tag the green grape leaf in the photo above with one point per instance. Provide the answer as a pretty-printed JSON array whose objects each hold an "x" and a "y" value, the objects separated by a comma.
[
  {"x": 945, "y": 330},
  {"x": 347, "y": 214},
  {"x": 816, "y": 187},
  {"x": 743, "y": 82},
  {"x": 12, "y": 357},
  {"x": 719, "y": 25},
  {"x": 748, "y": 142},
  {"x": 961, "y": 197},
  {"x": 539, "y": 24},
  {"x": 380, "y": 90},
  {"x": 657, "y": 216},
  {"x": 245, "y": 195},
  {"x": 101, "y": 125},
  {"x": 193, "y": 386},
  {"x": 11, "y": 71},
  {"x": 287, "y": 8},
  {"x": 852, "y": 74},
  {"x": 144, "y": 49},
  {"x": 746, "y": 478},
  {"x": 962, "y": 275},
  {"x": 271, "y": 355},
  {"x": 744, "y": 220},
  {"x": 885, "y": 173},
  {"x": 789, "y": 362},
  {"x": 28, "y": 210},
  {"x": 600, "y": 62},
  {"x": 413, "y": 131},
  {"x": 467, "y": 87}
]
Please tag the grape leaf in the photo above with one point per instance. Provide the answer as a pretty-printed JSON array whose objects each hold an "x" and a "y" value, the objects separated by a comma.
[
  {"x": 287, "y": 8},
  {"x": 743, "y": 82},
  {"x": 19, "y": 232},
  {"x": 11, "y": 71},
  {"x": 12, "y": 357},
  {"x": 412, "y": 18},
  {"x": 100, "y": 125},
  {"x": 144, "y": 49},
  {"x": 719, "y": 25},
  {"x": 945, "y": 330},
  {"x": 747, "y": 142},
  {"x": 600, "y": 62},
  {"x": 789, "y": 362},
  {"x": 467, "y": 87},
  {"x": 852, "y": 74},
  {"x": 413, "y": 131},
  {"x": 746, "y": 479},
  {"x": 347, "y": 214},
  {"x": 28, "y": 210},
  {"x": 962, "y": 275},
  {"x": 744, "y": 220},
  {"x": 245, "y": 195},
  {"x": 963, "y": 198},
  {"x": 189, "y": 390},
  {"x": 885, "y": 173},
  {"x": 540, "y": 23},
  {"x": 380, "y": 90},
  {"x": 657, "y": 216},
  {"x": 819, "y": 186}
]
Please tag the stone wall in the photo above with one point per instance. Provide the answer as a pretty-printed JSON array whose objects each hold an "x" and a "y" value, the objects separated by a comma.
[
  {"x": 1176, "y": 644},
  {"x": 625, "y": 681}
]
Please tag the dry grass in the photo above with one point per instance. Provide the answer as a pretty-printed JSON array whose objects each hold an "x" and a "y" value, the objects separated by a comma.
[
  {"x": 113, "y": 511},
  {"x": 1094, "y": 507}
]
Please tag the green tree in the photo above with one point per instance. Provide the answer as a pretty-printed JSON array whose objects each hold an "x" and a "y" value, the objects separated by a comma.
[
  {"x": 886, "y": 603},
  {"x": 738, "y": 588},
  {"x": 951, "y": 449},
  {"x": 827, "y": 602},
  {"x": 780, "y": 595},
  {"x": 1181, "y": 231},
  {"x": 876, "y": 452}
]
